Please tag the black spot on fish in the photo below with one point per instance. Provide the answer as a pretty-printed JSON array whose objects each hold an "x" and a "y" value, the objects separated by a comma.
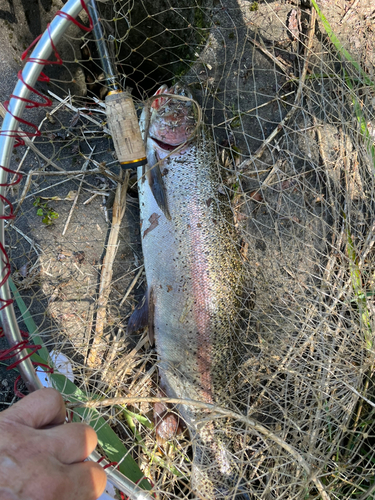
[{"x": 209, "y": 201}]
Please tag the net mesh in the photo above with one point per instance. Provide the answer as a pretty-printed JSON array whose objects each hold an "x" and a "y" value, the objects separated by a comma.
[{"x": 290, "y": 107}]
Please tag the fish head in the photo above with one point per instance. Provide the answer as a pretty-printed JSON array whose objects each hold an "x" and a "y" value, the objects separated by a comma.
[{"x": 172, "y": 120}]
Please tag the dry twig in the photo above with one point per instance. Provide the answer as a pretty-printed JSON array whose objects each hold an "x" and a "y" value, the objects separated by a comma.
[
  {"x": 132, "y": 285},
  {"x": 111, "y": 354},
  {"x": 349, "y": 11},
  {"x": 284, "y": 68},
  {"x": 83, "y": 115},
  {"x": 84, "y": 168},
  {"x": 276, "y": 99},
  {"x": 30, "y": 144},
  {"x": 119, "y": 206},
  {"x": 125, "y": 365}
]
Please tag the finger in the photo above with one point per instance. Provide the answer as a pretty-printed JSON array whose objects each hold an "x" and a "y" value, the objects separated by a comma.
[
  {"x": 81, "y": 481},
  {"x": 70, "y": 443},
  {"x": 89, "y": 478},
  {"x": 38, "y": 409}
]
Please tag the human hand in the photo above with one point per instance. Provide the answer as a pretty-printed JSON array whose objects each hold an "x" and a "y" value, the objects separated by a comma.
[{"x": 42, "y": 459}]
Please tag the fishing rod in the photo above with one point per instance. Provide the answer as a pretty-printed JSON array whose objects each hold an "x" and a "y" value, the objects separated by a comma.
[{"x": 121, "y": 114}]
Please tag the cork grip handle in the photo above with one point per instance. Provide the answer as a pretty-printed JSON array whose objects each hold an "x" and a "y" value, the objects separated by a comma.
[{"x": 123, "y": 125}]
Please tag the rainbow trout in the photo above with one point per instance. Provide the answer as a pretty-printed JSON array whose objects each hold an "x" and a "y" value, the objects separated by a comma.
[{"x": 193, "y": 273}]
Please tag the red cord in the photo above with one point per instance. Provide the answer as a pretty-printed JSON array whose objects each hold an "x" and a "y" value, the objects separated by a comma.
[
  {"x": 113, "y": 464},
  {"x": 6, "y": 354},
  {"x": 18, "y": 136},
  {"x": 16, "y": 349}
]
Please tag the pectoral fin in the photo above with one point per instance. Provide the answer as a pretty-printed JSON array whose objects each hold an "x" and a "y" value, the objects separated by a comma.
[
  {"x": 143, "y": 316},
  {"x": 157, "y": 185}
]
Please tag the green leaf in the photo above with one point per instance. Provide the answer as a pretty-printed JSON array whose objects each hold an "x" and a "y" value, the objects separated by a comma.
[
  {"x": 356, "y": 281},
  {"x": 349, "y": 79},
  {"x": 39, "y": 211},
  {"x": 141, "y": 419},
  {"x": 113, "y": 448},
  {"x": 336, "y": 42}
]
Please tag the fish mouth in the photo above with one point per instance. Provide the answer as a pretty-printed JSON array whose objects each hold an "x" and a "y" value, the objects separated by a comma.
[{"x": 165, "y": 145}]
